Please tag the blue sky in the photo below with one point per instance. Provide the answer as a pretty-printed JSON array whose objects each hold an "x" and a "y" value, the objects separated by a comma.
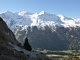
[{"x": 69, "y": 8}]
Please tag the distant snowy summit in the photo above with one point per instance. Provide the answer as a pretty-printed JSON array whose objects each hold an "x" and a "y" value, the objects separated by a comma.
[{"x": 40, "y": 19}]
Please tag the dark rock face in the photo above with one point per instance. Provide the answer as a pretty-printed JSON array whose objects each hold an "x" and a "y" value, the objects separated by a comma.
[
  {"x": 27, "y": 45},
  {"x": 6, "y": 33}
]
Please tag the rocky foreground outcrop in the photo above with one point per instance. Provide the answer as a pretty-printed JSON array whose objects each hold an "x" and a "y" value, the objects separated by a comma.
[{"x": 10, "y": 48}]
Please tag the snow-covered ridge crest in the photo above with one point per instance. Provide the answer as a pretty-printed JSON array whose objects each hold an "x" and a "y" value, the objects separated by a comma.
[{"x": 39, "y": 19}]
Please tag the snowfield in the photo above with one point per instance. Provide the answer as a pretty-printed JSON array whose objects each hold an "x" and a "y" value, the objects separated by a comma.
[{"x": 40, "y": 19}]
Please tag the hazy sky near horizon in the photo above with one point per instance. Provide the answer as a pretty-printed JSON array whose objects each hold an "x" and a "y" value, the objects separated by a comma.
[{"x": 69, "y": 8}]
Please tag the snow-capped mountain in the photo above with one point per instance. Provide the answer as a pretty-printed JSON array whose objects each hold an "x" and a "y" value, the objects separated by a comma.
[
  {"x": 39, "y": 19},
  {"x": 49, "y": 29}
]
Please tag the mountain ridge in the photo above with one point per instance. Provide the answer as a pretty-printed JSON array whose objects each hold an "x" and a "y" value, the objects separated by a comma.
[
  {"x": 44, "y": 30},
  {"x": 38, "y": 19}
]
